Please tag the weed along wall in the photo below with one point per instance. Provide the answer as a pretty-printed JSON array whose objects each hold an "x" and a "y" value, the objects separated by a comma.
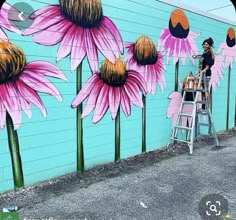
[{"x": 85, "y": 83}]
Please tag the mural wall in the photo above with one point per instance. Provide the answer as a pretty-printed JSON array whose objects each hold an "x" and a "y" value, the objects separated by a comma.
[{"x": 91, "y": 82}]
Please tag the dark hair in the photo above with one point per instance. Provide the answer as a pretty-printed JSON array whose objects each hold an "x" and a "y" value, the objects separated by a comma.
[{"x": 209, "y": 41}]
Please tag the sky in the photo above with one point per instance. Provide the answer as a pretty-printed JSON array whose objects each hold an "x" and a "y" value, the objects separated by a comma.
[{"x": 222, "y": 8}]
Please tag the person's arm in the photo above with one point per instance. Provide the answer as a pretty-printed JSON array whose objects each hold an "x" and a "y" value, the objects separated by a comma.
[{"x": 206, "y": 68}]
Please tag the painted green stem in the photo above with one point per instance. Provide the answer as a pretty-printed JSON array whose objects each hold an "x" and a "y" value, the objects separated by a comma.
[
  {"x": 144, "y": 124},
  {"x": 177, "y": 81},
  {"x": 15, "y": 154},
  {"x": 79, "y": 123},
  {"x": 228, "y": 98},
  {"x": 117, "y": 136},
  {"x": 176, "y": 76},
  {"x": 211, "y": 98}
]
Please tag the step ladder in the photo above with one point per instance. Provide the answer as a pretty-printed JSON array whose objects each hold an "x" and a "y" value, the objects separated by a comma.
[{"x": 193, "y": 130}]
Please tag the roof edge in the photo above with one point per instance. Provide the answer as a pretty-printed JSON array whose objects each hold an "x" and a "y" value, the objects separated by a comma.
[{"x": 197, "y": 11}]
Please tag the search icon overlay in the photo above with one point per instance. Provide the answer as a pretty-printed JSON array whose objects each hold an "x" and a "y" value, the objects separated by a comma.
[{"x": 213, "y": 207}]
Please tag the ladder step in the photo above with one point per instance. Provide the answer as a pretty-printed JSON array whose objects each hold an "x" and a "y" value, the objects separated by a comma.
[
  {"x": 188, "y": 102},
  {"x": 185, "y": 115},
  {"x": 202, "y": 90},
  {"x": 183, "y": 127},
  {"x": 202, "y": 111},
  {"x": 201, "y": 101},
  {"x": 175, "y": 139},
  {"x": 190, "y": 90},
  {"x": 203, "y": 124}
]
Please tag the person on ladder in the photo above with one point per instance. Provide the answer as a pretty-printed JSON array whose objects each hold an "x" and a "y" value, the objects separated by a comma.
[
  {"x": 208, "y": 61},
  {"x": 191, "y": 93}
]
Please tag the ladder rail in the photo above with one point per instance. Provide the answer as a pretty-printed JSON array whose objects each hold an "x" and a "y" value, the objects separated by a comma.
[{"x": 194, "y": 124}]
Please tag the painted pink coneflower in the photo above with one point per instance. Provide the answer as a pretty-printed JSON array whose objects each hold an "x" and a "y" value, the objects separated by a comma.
[
  {"x": 178, "y": 41},
  {"x": 81, "y": 29},
  {"x": 228, "y": 48},
  {"x": 143, "y": 57},
  {"x": 112, "y": 87},
  {"x": 228, "y": 51},
  {"x": 20, "y": 83}
]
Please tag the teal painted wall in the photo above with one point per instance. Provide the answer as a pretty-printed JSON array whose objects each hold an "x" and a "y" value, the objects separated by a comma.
[{"x": 48, "y": 145}]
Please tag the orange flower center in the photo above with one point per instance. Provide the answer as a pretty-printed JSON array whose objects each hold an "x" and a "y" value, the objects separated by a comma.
[
  {"x": 230, "y": 38},
  {"x": 113, "y": 74},
  {"x": 12, "y": 61},
  {"x": 178, "y": 24},
  {"x": 85, "y": 13},
  {"x": 145, "y": 51}
]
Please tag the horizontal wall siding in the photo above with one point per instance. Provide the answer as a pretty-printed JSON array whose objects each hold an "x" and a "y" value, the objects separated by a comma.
[{"x": 48, "y": 145}]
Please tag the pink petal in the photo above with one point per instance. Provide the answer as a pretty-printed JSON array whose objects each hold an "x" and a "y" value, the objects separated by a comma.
[
  {"x": 45, "y": 11},
  {"x": 175, "y": 101},
  {"x": 154, "y": 80},
  {"x": 125, "y": 102},
  {"x": 191, "y": 37},
  {"x": 92, "y": 99},
  {"x": 2, "y": 115},
  {"x": 102, "y": 104},
  {"x": 148, "y": 80},
  {"x": 43, "y": 21},
  {"x": 45, "y": 68},
  {"x": 66, "y": 43},
  {"x": 24, "y": 104},
  {"x": 30, "y": 96},
  {"x": 114, "y": 100},
  {"x": 10, "y": 100},
  {"x": 173, "y": 107},
  {"x": 222, "y": 47},
  {"x": 109, "y": 25},
  {"x": 139, "y": 80},
  {"x": 85, "y": 91},
  {"x": 53, "y": 34},
  {"x": 39, "y": 83},
  {"x": 129, "y": 57},
  {"x": 176, "y": 50},
  {"x": 78, "y": 51},
  {"x": 101, "y": 39},
  {"x": 91, "y": 51},
  {"x": 132, "y": 91},
  {"x": 128, "y": 45}
]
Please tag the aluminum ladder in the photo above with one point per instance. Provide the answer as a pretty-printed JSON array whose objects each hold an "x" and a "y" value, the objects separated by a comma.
[{"x": 194, "y": 122}]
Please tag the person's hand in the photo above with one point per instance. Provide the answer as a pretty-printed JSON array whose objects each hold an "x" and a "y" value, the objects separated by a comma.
[
  {"x": 203, "y": 71},
  {"x": 196, "y": 56}
]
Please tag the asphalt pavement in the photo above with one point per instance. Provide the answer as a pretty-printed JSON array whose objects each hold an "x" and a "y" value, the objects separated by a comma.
[{"x": 158, "y": 185}]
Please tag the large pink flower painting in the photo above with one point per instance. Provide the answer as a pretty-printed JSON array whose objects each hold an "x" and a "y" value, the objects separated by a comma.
[
  {"x": 227, "y": 50},
  {"x": 177, "y": 39},
  {"x": 112, "y": 87},
  {"x": 179, "y": 42},
  {"x": 217, "y": 72},
  {"x": 81, "y": 29},
  {"x": 143, "y": 57},
  {"x": 20, "y": 83}
]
